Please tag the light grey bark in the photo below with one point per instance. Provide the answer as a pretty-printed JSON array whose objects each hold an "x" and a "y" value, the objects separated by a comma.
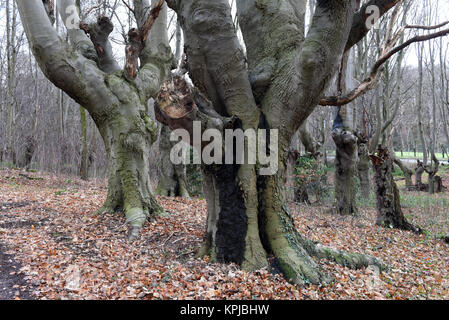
[
  {"x": 420, "y": 103},
  {"x": 84, "y": 167},
  {"x": 307, "y": 140},
  {"x": 434, "y": 165},
  {"x": 363, "y": 167},
  {"x": 117, "y": 105},
  {"x": 287, "y": 79},
  {"x": 407, "y": 172},
  {"x": 444, "y": 106}
]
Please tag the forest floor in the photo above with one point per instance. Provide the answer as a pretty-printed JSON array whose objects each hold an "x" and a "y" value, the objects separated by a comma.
[{"x": 52, "y": 247}]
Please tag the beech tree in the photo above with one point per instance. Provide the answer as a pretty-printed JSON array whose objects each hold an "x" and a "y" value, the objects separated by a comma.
[
  {"x": 276, "y": 87},
  {"x": 275, "y": 83},
  {"x": 115, "y": 98}
]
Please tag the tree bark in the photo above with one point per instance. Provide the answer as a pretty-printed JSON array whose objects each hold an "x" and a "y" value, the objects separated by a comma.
[
  {"x": 118, "y": 105},
  {"x": 389, "y": 212},
  {"x": 345, "y": 168},
  {"x": 84, "y": 168},
  {"x": 248, "y": 219},
  {"x": 172, "y": 181},
  {"x": 363, "y": 167},
  {"x": 346, "y": 149},
  {"x": 11, "y": 54},
  {"x": 419, "y": 170}
]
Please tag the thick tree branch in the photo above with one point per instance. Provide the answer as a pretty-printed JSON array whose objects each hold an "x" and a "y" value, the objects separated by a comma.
[
  {"x": 66, "y": 68},
  {"x": 156, "y": 58},
  {"x": 282, "y": 20},
  {"x": 217, "y": 63},
  {"x": 292, "y": 94},
  {"x": 80, "y": 41},
  {"x": 99, "y": 35},
  {"x": 360, "y": 26}
]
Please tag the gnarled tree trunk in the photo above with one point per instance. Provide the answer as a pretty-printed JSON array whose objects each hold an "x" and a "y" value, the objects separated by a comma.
[
  {"x": 345, "y": 168},
  {"x": 116, "y": 99},
  {"x": 389, "y": 211},
  {"x": 248, "y": 218}
]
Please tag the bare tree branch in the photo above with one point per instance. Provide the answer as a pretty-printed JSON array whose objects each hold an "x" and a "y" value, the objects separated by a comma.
[{"x": 368, "y": 83}]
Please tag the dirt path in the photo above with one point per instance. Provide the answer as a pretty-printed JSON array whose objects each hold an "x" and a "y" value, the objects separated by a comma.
[{"x": 12, "y": 283}]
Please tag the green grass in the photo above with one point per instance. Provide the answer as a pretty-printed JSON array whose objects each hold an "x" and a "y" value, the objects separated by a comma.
[
  {"x": 419, "y": 155},
  {"x": 407, "y": 155},
  {"x": 423, "y": 200}
]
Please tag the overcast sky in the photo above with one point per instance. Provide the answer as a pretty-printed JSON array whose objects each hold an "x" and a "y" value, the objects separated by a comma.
[{"x": 411, "y": 58}]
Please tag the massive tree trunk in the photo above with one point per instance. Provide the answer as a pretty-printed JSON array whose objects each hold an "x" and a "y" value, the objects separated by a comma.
[
  {"x": 276, "y": 88},
  {"x": 389, "y": 211},
  {"x": 116, "y": 99},
  {"x": 248, "y": 218},
  {"x": 128, "y": 134}
]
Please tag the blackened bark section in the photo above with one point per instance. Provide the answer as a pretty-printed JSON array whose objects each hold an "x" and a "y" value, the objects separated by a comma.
[
  {"x": 389, "y": 212},
  {"x": 261, "y": 189},
  {"x": 232, "y": 222}
]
